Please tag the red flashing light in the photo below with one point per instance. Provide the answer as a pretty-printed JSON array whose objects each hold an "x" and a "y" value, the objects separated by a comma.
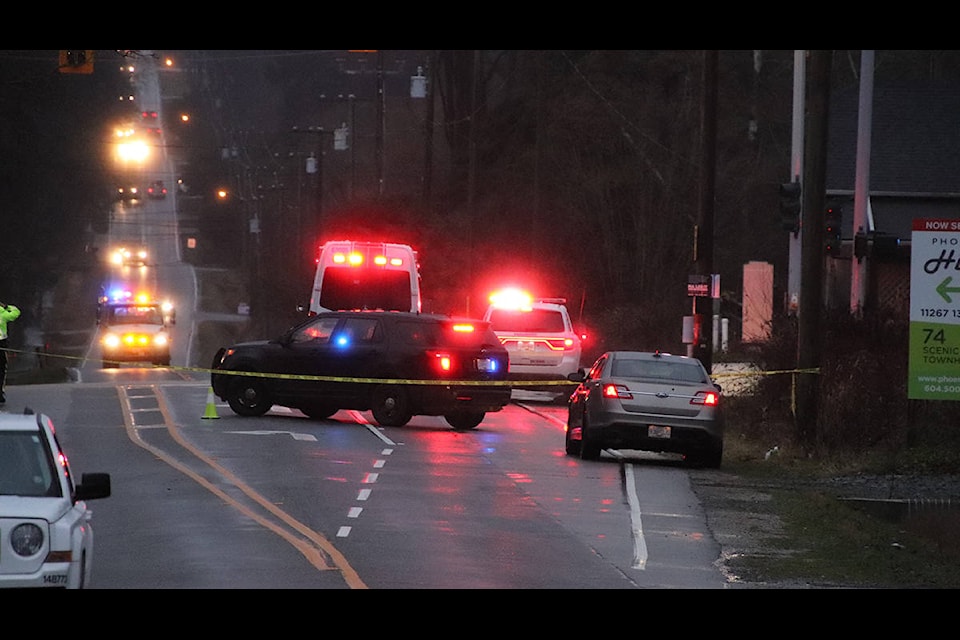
[{"x": 512, "y": 298}]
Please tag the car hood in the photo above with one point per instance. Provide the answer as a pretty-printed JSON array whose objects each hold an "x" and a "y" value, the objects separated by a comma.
[{"x": 49, "y": 509}]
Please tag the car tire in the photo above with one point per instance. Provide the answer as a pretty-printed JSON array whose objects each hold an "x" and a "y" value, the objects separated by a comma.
[
  {"x": 107, "y": 364},
  {"x": 571, "y": 446},
  {"x": 589, "y": 444},
  {"x": 390, "y": 406},
  {"x": 465, "y": 420},
  {"x": 318, "y": 411},
  {"x": 82, "y": 582},
  {"x": 248, "y": 397},
  {"x": 709, "y": 458}
]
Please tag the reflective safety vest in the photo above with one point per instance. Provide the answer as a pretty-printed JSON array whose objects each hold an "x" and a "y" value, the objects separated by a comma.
[{"x": 7, "y": 314}]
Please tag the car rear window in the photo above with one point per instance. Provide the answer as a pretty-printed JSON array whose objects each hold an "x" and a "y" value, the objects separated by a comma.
[
  {"x": 446, "y": 334},
  {"x": 533, "y": 321},
  {"x": 658, "y": 370}
]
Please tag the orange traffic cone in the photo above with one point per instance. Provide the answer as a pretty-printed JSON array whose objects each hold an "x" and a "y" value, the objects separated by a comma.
[{"x": 211, "y": 411}]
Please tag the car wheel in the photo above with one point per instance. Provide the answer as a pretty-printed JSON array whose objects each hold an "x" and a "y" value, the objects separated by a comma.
[
  {"x": 107, "y": 364},
  {"x": 390, "y": 406},
  {"x": 709, "y": 458},
  {"x": 318, "y": 411},
  {"x": 82, "y": 584},
  {"x": 248, "y": 396},
  {"x": 464, "y": 420},
  {"x": 572, "y": 446},
  {"x": 589, "y": 444}
]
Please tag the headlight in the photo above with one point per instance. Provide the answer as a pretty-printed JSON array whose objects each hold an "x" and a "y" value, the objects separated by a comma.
[
  {"x": 111, "y": 341},
  {"x": 160, "y": 340},
  {"x": 26, "y": 539}
]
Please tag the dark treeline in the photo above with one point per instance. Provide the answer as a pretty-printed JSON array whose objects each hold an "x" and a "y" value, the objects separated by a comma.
[{"x": 575, "y": 172}]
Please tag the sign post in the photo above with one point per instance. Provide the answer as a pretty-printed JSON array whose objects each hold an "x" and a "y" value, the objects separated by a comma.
[{"x": 934, "y": 364}]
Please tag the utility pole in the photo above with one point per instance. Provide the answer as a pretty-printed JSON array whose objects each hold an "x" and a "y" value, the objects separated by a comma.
[
  {"x": 811, "y": 299},
  {"x": 796, "y": 175},
  {"x": 861, "y": 192},
  {"x": 703, "y": 257},
  {"x": 381, "y": 108}
]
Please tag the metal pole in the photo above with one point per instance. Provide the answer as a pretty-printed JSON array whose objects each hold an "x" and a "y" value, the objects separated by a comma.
[
  {"x": 861, "y": 194},
  {"x": 796, "y": 174}
]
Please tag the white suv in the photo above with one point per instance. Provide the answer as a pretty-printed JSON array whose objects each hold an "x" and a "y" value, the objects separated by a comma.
[
  {"x": 46, "y": 535},
  {"x": 537, "y": 333}
]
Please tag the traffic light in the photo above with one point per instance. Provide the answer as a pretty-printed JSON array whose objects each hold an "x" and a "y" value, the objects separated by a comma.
[
  {"x": 861, "y": 244},
  {"x": 790, "y": 206},
  {"x": 76, "y": 61},
  {"x": 831, "y": 228},
  {"x": 885, "y": 246}
]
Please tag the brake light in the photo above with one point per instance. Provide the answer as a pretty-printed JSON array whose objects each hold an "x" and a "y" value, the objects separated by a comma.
[
  {"x": 617, "y": 391},
  {"x": 708, "y": 398},
  {"x": 442, "y": 361},
  {"x": 464, "y": 328}
]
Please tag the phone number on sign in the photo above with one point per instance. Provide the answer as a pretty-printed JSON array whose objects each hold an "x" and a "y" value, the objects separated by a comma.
[
  {"x": 937, "y": 388},
  {"x": 940, "y": 313}
]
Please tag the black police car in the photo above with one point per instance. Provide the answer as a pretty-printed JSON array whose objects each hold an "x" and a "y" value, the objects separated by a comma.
[{"x": 395, "y": 364}]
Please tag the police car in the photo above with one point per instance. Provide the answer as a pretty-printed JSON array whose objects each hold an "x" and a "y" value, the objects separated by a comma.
[
  {"x": 134, "y": 328},
  {"x": 537, "y": 333}
]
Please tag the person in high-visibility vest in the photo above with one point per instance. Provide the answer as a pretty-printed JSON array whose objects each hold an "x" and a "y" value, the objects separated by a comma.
[{"x": 8, "y": 313}]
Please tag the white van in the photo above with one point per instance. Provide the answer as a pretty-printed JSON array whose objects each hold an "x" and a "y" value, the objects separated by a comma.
[{"x": 355, "y": 275}]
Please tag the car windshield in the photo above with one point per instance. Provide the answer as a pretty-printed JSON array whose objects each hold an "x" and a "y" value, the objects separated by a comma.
[
  {"x": 658, "y": 369},
  {"x": 135, "y": 315},
  {"x": 26, "y": 466},
  {"x": 533, "y": 321},
  {"x": 356, "y": 288}
]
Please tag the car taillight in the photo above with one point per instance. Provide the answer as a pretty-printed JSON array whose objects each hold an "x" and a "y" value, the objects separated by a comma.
[
  {"x": 617, "y": 391},
  {"x": 441, "y": 361},
  {"x": 708, "y": 398}
]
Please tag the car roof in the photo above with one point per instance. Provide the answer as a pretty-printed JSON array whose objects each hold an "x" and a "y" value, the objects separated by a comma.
[
  {"x": 21, "y": 421},
  {"x": 407, "y": 315},
  {"x": 648, "y": 355}
]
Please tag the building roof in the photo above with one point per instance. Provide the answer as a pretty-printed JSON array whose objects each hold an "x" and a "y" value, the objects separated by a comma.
[{"x": 914, "y": 153}]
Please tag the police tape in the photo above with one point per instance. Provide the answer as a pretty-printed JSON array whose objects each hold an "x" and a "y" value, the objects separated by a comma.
[
  {"x": 744, "y": 374},
  {"x": 484, "y": 383},
  {"x": 313, "y": 378}
]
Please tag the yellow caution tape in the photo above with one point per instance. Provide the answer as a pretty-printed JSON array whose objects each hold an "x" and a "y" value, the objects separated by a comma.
[
  {"x": 738, "y": 374},
  {"x": 495, "y": 383}
]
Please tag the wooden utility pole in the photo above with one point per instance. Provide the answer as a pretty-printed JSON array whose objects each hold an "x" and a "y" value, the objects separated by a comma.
[
  {"x": 809, "y": 344},
  {"x": 703, "y": 258}
]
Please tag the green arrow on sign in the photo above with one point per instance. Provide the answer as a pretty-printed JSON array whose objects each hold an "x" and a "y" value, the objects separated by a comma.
[{"x": 943, "y": 289}]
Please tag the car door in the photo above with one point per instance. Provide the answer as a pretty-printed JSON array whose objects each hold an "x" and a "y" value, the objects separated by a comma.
[
  {"x": 342, "y": 348},
  {"x": 580, "y": 399}
]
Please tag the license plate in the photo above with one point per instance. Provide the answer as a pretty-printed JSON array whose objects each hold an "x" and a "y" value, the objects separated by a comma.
[
  {"x": 656, "y": 431},
  {"x": 486, "y": 364},
  {"x": 526, "y": 346}
]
